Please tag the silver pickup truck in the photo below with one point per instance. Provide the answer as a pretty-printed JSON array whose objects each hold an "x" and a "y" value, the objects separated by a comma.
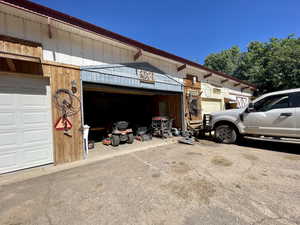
[{"x": 274, "y": 116}]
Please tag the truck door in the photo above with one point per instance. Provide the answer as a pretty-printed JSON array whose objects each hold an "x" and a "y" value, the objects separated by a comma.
[
  {"x": 273, "y": 116},
  {"x": 295, "y": 101}
]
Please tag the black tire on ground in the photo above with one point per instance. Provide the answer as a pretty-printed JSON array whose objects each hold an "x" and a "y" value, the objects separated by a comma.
[
  {"x": 115, "y": 140},
  {"x": 130, "y": 138},
  {"x": 226, "y": 134}
]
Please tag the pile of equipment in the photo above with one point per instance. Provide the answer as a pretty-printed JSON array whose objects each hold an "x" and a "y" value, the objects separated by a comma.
[{"x": 161, "y": 126}]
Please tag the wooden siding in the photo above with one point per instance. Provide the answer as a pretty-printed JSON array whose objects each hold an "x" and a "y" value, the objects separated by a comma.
[
  {"x": 173, "y": 103},
  {"x": 19, "y": 46},
  {"x": 195, "y": 90},
  {"x": 66, "y": 149}
]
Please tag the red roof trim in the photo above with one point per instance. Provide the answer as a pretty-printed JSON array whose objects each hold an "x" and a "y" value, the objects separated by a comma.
[{"x": 99, "y": 30}]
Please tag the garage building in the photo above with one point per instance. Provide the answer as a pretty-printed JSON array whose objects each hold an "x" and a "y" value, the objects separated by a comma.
[{"x": 45, "y": 53}]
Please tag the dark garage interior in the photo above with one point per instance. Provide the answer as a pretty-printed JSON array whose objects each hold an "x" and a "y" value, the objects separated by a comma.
[{"x": 104, "y": 105}]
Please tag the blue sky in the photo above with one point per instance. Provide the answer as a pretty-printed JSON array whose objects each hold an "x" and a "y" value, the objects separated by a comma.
[{"x": 192, "y": 28}]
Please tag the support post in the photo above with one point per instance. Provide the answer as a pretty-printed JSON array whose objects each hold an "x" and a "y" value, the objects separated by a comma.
[
  {"x": 138, "y": 55},
  {"x": 181, "y": 67},
  {"x": 49, "y": 28},
  {"x": 207, "y": 75},
  {"x": 224, "y": 81}
]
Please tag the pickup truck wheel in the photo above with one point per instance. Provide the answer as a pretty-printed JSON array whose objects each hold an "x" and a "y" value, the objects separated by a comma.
[{"x": 226, "y": 134}]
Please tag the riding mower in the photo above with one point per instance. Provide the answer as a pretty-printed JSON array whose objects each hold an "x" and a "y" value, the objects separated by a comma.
[{"x": 121, "y": 133}]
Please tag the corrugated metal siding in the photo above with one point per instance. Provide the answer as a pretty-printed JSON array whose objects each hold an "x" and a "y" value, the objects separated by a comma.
[{"x": 127, "y": 76}]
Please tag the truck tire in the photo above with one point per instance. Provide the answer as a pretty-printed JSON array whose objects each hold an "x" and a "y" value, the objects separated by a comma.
[
  {"x": 115, "y": 140},
  {"x": 130, "y": 138},
  {"x": 226, "y": 134}
]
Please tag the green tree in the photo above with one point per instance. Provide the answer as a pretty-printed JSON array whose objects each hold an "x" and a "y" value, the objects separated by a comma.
[
  {"x": 226, "y": 61},
  {"x": 272, "y": 65}
]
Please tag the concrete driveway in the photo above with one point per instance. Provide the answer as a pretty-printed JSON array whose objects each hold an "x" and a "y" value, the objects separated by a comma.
[{"x": 207, "y": 183}]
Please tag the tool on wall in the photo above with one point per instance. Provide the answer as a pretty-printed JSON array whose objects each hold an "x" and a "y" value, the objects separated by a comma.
[{"x": 68, "y": 104}]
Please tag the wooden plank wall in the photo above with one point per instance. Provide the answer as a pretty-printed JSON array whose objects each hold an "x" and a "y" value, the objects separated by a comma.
[
  {"x": 174, "y": 107},
  {"x": 19, "y": 46},
  {"x": 188, "y": 87},
  {"x": 66, "y": 149}
]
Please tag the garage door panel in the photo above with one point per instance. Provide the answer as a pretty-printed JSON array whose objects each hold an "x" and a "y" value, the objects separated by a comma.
[
  {"x": 211, "y": 105},
  {"x": 7, "y": 119},
  {"x": 6, "y": 100},
  {"x": 8, "y": 139},
  {"x": 8, "y": 161},
  {"x": 36, "y": 155},
  {"x": 35, "y": 118},
  {"x": 25, "y": 123},
  {"x": 36, "y": 136},
  {"x": 34, "y": 100}
]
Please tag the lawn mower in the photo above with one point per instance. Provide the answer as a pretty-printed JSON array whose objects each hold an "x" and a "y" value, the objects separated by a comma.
[
  {"x": 143, "y": 134},
  {"x": 121, "y": 133}
]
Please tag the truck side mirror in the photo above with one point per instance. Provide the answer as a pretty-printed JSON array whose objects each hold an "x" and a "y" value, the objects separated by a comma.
[{"x": 251, "y": 107}]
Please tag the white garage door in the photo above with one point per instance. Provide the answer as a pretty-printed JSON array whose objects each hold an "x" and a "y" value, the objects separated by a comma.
[
  {"x": 211, "y": 105},
  {"x": 25, "y": 122}
]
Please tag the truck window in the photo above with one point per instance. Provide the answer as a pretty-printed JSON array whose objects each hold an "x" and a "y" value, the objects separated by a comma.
[
  {"x": 295, "y": 99},
  {"x": 272, "y": 102}
]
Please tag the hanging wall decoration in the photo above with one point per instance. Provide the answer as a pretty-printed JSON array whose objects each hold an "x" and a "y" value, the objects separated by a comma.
[{"x": 68, "y": 104}]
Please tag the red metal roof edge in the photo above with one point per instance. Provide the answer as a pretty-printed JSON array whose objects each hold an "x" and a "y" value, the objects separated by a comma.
[{"x": 99, "y": 30}]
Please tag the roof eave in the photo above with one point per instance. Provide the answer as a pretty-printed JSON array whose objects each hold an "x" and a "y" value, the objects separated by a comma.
[{"x": 31, "y": 6}]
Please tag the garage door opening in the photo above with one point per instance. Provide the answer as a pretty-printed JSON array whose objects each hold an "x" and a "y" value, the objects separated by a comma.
[{"x": 104, "y": 105}]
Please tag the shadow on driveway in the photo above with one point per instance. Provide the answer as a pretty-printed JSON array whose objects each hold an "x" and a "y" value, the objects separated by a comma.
[
  {"x": 272, "y": 146},
  {"x": 266, "y": 145}
]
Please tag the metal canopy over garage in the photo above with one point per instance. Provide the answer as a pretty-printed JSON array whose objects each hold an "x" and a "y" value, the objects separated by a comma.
[
  {"x": 136, "y": 75},
  {"x": 133, "y": 92}
]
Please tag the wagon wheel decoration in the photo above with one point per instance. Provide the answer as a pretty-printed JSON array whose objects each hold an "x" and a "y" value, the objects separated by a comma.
[{"x": 68, "y": 104}]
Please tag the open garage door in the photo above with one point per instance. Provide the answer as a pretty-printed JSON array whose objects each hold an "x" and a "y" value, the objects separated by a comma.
[
  {"x": 25, "y": 122},
  {"x": 104, "y": 105}
]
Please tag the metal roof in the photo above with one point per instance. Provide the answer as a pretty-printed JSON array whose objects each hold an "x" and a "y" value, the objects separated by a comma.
[{"x": 127, "y": 76}]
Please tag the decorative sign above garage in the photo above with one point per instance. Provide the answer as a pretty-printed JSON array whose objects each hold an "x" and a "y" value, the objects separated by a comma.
[{"x": 145, "y": 76}]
